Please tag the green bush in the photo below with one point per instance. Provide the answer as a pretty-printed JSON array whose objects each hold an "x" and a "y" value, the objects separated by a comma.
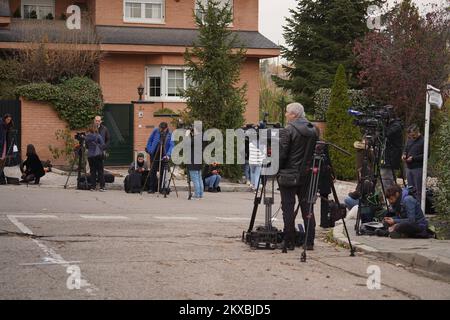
[
  {"x": 322, "y": 97},
  {"x": 443, "y": 167},
  {"x": 77, "y": 100},
  {"x": 340, "y": 128}
]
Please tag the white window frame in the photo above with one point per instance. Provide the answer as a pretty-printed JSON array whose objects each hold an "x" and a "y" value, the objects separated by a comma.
[
  {"x": 143, "y": 19},
  {"x": 205, "y": 2},
  {"x": 37, "y": 3},
  {"x": 164, "y": 74}
]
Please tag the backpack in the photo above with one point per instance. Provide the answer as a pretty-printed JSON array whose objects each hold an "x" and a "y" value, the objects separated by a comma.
[{"x": 133, "y": 183}]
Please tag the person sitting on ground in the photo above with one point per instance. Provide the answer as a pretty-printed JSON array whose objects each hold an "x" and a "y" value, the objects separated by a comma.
[
  {"x": 140, "y": 166},
  {"x": 31, "y": 168},
  {"x": 407, "y": 220},
  {"x": 212, "y": 177}
]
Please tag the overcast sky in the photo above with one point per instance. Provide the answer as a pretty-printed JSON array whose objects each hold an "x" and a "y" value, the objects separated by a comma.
[{"x": 272, "y": 13}]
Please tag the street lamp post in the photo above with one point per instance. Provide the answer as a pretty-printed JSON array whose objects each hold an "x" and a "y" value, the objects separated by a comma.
[{"x": 434, "y": 98}]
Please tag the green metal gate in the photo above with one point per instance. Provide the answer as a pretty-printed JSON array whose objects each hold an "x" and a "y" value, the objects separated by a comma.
[{"x": 118, "y": 118}]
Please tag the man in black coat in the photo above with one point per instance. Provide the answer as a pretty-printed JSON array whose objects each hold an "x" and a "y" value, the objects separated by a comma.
[
  {"x": 297, "y": 143},
  {"x": 104, "y": 132},
  {"x": 413, "y": 157},
  {"x": 393, "y": 151}
]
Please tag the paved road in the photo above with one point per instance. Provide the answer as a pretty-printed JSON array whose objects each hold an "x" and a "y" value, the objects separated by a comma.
[{"x": 147, "y": 247}]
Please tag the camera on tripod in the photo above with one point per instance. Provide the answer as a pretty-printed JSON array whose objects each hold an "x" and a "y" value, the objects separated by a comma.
[
  {"x": 375, "y": 117},
  {"x": 80, "y": 137}
]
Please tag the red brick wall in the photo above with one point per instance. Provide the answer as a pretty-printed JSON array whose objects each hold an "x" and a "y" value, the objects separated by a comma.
[
  {"x": 39, "y": 125},
  {"x": 179, "y": 14},
  {"x": 121, "y": 74},
  {"x": 143, "y": 126},
  {"x": 60, "y": 5}
]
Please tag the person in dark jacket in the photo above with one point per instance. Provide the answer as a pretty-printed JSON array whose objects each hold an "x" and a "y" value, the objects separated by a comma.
[
  {"x": 211, "y": 175},
  {"x": 413, "y": 157},
  {"x": 6, "y": 125},
  {"x": 159, "y": 147},
  {"x": 140, "y": 166},
  {"x": 104, "y": 132},
  {"x": 297, "y": 143},
  {"x": 96, "y": 146},
  {"x": 195, "y": 167},
  {"x": 393, "y": 151},
  {"x": 408, "y": 220},
  {"x": 31, "y": 168}
]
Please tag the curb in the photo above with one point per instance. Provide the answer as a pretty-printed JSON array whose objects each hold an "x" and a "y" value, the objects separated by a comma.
[{"x": 424, "y": 262}]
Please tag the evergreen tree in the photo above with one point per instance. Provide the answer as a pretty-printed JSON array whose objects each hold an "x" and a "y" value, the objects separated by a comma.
[
  {"x": 320, "y": 36},
  {"x": 340, "y": 129},
  {"x": 214, "y": 65}
]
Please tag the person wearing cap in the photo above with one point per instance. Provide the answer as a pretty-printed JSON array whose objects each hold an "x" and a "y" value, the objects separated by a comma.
[
  {"x": 140, "y": 166},
  {"x": 159, "y": 147}
]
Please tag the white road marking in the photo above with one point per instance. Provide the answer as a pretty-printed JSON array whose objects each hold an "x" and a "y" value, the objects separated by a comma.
[
  {"x": 51, "y": 255},
  {"x": 231, "y": 219},
  {"x": 175, "y": 218},
  {"x": 104, "y": 217},
  {"x": 47, "y": 263}
]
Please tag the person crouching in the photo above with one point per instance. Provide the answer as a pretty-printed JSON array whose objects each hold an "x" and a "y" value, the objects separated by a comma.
[{"x": 32, "y": 169}]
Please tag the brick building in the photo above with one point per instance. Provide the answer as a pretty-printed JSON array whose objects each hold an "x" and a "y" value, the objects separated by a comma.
[{"x": 143, "y": 42}]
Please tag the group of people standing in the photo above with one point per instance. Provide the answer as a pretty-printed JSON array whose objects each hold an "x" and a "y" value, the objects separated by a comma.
[{"x": 159, "y": 149}]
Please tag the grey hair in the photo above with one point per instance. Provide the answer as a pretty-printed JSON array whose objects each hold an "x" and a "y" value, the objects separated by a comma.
[{"x": 297, "y": 109}]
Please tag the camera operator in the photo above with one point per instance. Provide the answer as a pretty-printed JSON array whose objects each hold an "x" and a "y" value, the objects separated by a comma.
[
  {"x": 413, "y": 156},
  {"x": 104, "y": 132},
  {"x": 394, "y": 148},
  {"x": 408, "y": 220},
  {"x": 96, "y": 146},
  {"x": 159, "y": 147},
  {"x": 297, "y": 142}
]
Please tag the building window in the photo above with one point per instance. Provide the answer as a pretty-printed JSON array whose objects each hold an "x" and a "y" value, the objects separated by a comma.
[
  {"x": 144, "y": 11},
  {"x": 198, "y": 12},
  {"x": 38, "y": 9},
  {"x": 164, "y": 83},
  {"x": 155, "y": 86}
]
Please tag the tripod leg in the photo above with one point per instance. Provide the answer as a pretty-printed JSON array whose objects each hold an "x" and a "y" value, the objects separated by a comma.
[
  {"x": 173, "y": 180},
  {"x": 314, "y": 186},
  {"x": 70, "y": 172},
  {"x": 352, "y": 250},
  {"x": 189, "y": 184},
  {"x": 257, "y": 202}
]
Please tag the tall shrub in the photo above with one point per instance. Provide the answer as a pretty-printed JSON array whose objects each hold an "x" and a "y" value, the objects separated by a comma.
[{"x": 340, "y": 128}]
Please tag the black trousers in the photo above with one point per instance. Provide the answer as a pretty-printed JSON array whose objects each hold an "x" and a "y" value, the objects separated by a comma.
[
  {"x": 288, "y": 206},
  {"x": 411, "y": 230},
  {"x": 97, "y": 171}
]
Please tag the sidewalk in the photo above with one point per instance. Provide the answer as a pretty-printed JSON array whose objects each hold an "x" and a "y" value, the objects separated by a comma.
[
  {"x": 429, "y": 255},
  {"x": 58, "y": 178}
]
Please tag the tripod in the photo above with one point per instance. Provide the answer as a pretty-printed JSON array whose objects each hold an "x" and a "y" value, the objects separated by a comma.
[
  {"x": 166, "y": 170},
  {"x": 370, "y": 174},
  {"x": 318, "y": 158},
  {"x": 79, "y": 153},
  {"x": 268, "y": 236}
]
